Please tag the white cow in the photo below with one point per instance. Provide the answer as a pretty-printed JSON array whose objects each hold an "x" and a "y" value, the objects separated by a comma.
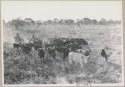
[{"x": 77, "y": 58}]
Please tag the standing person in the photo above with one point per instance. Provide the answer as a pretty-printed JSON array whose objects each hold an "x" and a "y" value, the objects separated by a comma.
[
  {"x": 41, "y": 54},
  {"x": 103, "y": 54}
]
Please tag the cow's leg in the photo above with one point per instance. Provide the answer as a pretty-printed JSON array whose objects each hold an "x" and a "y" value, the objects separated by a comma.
[
  {"x": 41, "y": 59},
  {"x": 35, "y": 48},
  {"x": 54, "y": 55},
  {"x": 106, "y": 58},
  {"x": 16, "y": 51},
  {"x": 22, "y": 53},
  {"x": 64, "y": 58}
]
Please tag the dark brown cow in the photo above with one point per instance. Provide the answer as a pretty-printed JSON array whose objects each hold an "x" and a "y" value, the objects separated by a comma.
[
  {"x": 26, "y": 48},
  {"x": 52, "y": 52},
  {"x": 65, "y": 53},
  {"x": 41, "y": 54},
  {"x": 15, "y": 45}
]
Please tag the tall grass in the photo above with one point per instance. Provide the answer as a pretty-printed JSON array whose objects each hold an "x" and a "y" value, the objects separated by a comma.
[
  {"x": 22, "y": 68},
  {"x": 27, "y": 69}
]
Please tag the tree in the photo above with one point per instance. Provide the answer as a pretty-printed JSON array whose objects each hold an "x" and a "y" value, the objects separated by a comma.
[
  {"x": 86, "y": 20},
  {"x": 102, "y": 21},
  {"x": 69, "y": 21},
  {"x": 55, "y": 21},
  {"x": 17, "y": 23},
  {"x": 48, "y": 22},
  {"x": 93, "y": 21},
  {"x": 79, "y": 22},
  {"x": 61, "y": 21},
  {"x": 38, "y": 23},
  {"x": 29, "y": 21},
  {"x": 18, "y": 39}
]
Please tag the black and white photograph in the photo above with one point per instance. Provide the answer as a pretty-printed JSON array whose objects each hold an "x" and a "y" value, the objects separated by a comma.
[{"x": 70, "y": 43}]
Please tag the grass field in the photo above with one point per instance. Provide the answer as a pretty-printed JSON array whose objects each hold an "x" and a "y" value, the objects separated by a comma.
[{"x": 27, "y": 69}]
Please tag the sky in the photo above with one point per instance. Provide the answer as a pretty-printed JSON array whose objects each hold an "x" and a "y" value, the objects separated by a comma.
[{"x": 47, "y": 10}]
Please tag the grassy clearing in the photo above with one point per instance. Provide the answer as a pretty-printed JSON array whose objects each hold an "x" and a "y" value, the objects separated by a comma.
[{"x": 27, "y": 69}]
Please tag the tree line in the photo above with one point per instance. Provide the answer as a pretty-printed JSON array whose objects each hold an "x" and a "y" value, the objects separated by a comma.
[{"x": 85, "y": 21}]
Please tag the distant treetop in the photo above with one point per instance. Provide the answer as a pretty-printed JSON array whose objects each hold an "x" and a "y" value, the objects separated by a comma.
[{"x": 84, "y": 21}]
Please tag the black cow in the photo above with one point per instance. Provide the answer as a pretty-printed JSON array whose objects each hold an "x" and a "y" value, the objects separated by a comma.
[
  {"x": 52, "y": 52},
  {"x": 61, "y": 45},
  {"x": 64, "y": 46},
  {"x": 103, "y": 54},
  {"x": 65, "y": 53},
  {"x": 81, "y": 41},
  {"x": 50, "y": 48},
  {"x": 78, "y": 41},
  {"x": 36, "y": 44},
  {"x": 41, "y": 54},
  {"x": 26, "y": 48},
  {"x": 15, "y": 45},
  {"x": 6, "y": 54}
]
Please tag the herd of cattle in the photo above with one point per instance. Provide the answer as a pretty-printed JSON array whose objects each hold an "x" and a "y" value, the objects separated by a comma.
[{"x": 71, "y": 48}]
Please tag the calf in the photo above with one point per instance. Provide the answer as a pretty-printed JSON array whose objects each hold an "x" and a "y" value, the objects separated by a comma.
[{"x": 76, "y": 58}]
